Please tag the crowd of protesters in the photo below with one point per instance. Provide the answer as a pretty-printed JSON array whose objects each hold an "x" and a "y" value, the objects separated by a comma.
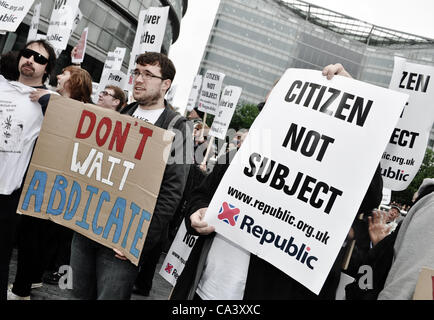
[{"x": 384, "y": 241}]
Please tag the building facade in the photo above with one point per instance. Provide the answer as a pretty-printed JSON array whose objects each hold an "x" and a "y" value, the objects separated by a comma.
[
  {"x": 111, "y": 24},
  {"x": 254, "y": 41}
]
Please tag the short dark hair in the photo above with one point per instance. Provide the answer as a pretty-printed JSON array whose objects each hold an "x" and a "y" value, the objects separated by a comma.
[
  {"x": 51, "y": 56},
  {"x": 168, "y": 70},
  {"x": 118, "y": 94}
]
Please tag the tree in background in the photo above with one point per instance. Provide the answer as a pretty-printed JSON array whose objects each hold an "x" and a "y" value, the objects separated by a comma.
[
  {"x": 426, "y": 170},
  {"x": 244, "y": 116}
]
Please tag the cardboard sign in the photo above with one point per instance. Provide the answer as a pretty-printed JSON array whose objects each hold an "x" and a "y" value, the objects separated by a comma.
[
  {"x": 407, "y": 145},
  {"x": 209, "y": 96},
  {"x": 291, "y": 198},
  {"x": 177, "y": 255},
  {"x": 78, "y": 57},
  {"x": 194, "y": 93},
  {"x": 62, "y": 22},
  {"x": 12, "y": 13},
  {"x": 425, "y": 285},
  {"x": 151, "y": 28},
  {"x": 96, "y": 172},
  {"x": 227, "y": 105},
  {"x": 34, "y": 24}
]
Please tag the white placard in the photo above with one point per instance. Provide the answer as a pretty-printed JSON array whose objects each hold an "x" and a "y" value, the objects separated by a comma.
[
  {"x": 291, "y": 197},
  {"x": 81, "y": 48},
  {"x": 387, "y": 196},
  {"x": 406, "y": 149},
  {"x": 34, "y": 24},
  {"x": 209, "y": 95},
  {"x": 170, "y": 95},
  {"x": 151, "y": 28},
  {"x": 12, "y": 13},
  {"x": 95, "y": 87},
  {"x": 194, "y": 93},
  {"x": 113, "y": 78},
  {"x": 225, "y": 112},
  {"x": 63, "y": 19},
  {"x": 177, "y": 255}
]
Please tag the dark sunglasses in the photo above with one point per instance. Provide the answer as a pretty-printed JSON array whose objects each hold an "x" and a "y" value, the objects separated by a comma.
[{"x": 39, "y": 58}]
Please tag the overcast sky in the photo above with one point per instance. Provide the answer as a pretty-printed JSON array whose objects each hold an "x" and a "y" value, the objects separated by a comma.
[{"x": 415, "y": 17}]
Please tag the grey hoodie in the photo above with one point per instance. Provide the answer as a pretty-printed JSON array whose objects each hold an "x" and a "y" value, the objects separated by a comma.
[{"x": 414, "y": 248}]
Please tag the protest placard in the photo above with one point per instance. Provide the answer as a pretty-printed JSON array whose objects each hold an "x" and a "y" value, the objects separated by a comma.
[
  {"x": 12, "y": 13},
  {"x": 209, "y": 95},
  {"x": 177, "y": 255},
  {"x": 151, "y": 28},
  {"x": 78, "y": 56},
  {"x": 387, "y": 196},
  {"x": 34, "y": 24},
  {"x": 62, "y": 22},
  {"x": 227, "y": 105},
  {"x": 291, "y": 199},
  {"x": 408, "y": 142},
  {"x": 425, "y": 285},
  {"x": 114, "y": 59},
  {"x": 112, "y": 77},
  {"x": 96, "y": 172},
  {"x": 194, "y": 93}
]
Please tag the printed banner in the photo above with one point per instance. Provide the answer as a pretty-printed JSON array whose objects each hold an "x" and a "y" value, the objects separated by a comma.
[
  {"x": 12, "y": 13},
  {"x": 81, "y": 48},
  {"x": 151, "y": 28},
  {"x": 225, "y": 112},
  {"x": 34, "y": 24},
  {"x": 61, "y": 23},
  {"x": 96, "y": 172},
  {"x": 407, "y": 145},
  {"x": 177, "y": 255},
  {"x": 291, "y": 197},
  {"x": 194, "y": 93},
  {"x": 209, "y": 96}
]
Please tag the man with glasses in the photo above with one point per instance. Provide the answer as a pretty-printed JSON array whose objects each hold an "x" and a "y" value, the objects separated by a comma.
[
  {"x": 112, "y": 97},
  {"x": 103, "y": 273},
  {"x": 20, "y": 122}
]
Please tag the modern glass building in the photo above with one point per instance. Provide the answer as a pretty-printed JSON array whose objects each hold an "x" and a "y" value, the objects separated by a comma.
[
  {"x": 254, "y": 41},
  {"x": 111, "y": 24}
]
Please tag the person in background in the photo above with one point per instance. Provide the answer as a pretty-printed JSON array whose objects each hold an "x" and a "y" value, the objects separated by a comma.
[{"x": 8, "y": 66}]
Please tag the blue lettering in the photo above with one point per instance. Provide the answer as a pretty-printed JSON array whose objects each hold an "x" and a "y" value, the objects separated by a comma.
[
  {"x": 40, "y": 178},
  {"x": 104, "y": 197},
  {"x": 75, "y": 190},
  {"x": 83, "y": 223},
  {"x": 145, "y": 216},
  {"x": 135, "y": 209},
  {"x": 116, "y": 219}
]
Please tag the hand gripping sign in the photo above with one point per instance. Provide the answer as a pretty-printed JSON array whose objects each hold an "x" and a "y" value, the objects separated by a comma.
[
  {"x": 96, "y": 172},
  {"x": 408, "y": 142},
  {"x": 292, "y": 198}
]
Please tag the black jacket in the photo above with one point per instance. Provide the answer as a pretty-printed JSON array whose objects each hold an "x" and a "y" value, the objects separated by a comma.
[
  {"x": 264, "y": 281},
  {"x": 174, "y": 178}
]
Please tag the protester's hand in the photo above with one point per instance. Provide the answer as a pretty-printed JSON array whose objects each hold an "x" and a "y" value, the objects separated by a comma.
[
  {"x": 119, "y": 254},
  {"x": 35, "y": 95},
  {"x": 378, "y": 229},
  {"x": 198, "y": 224},
  {"x": 333, "y": 69},
  {"x": 203, "y": 167}
]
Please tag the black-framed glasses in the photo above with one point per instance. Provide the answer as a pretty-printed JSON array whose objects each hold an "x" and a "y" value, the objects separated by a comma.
[
  {"x": 145, "y": 75},
  {"x": 106, "y": 93},
  {"x": 39, "y": 58}
]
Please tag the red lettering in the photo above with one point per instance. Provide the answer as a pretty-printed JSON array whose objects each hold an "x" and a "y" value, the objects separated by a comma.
[
  {"x": 146, "y": 132},
  {"x": 119, "y": 137},
  {"x": 92, "y": 117},
  {"x": 108, "y": 123}
]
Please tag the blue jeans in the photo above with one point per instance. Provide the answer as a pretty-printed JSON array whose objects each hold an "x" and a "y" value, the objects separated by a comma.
[{"x": 97, "y": 273}]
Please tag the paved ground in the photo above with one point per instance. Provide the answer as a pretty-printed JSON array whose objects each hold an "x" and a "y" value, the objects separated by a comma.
[{"x": 160, "y": 287}]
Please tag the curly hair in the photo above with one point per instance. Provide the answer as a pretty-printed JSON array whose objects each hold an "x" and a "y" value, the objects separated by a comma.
[{"x": 80, "y": 84}]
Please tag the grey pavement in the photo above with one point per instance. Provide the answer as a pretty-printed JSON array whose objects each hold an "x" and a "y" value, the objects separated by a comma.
[{"x": 160, "y": 287}]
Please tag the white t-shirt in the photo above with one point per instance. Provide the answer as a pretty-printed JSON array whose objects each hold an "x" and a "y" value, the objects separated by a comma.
[
  {"x": 150, "y": 116},
  {"x": 225, "y": 273},
  {"x": 20, "y": 123}
]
